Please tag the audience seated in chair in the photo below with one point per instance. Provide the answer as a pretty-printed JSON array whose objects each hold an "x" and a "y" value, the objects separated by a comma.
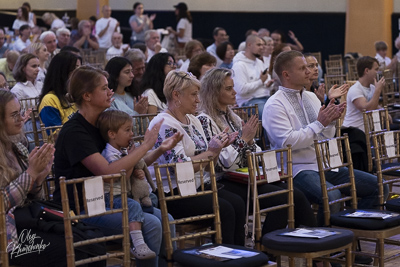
[{"x": 294, "y": 116}]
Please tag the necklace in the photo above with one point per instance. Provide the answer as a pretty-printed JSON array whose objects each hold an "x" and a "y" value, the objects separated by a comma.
[{"x": 173, "y": 115}]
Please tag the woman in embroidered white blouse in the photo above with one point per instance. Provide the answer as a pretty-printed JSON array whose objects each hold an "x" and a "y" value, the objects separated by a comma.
[{"x": 181, "y": 90}]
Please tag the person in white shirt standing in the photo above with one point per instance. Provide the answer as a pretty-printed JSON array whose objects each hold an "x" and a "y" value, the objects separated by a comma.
[
  {"x": 183, "y": 31},
  {"x": 252, "y": 81},
  {"x": 105, "y": 27}
]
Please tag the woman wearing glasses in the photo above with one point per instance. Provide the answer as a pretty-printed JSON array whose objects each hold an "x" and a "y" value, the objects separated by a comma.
[
  {"x": 153, "y": 81},
  {"x": 217, "y": 94},
  {"x": 22, "y": 176},
  {"x": 181, "y": 90}
]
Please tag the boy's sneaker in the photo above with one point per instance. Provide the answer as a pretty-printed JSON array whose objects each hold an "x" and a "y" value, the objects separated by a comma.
[{"x": 142, "y": 252}]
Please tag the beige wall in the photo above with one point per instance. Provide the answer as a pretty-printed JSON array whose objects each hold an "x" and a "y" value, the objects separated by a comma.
[{"x": 196, "y": 5}]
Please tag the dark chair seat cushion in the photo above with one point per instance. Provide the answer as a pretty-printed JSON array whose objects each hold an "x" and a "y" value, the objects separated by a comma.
[
  {"x": 274, "y": 240},
  {"x": 186, "y": 259},
  {"x": 339, "y": 220},
  {"x": 389, "y": 165},
  {"x": 393, "y": 205}
]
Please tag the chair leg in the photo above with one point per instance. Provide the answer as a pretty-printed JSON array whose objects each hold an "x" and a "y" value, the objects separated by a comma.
[
  {"x": 349, "y": 257},
  {"x": 381, "y": 254},
  {"x": 309, "y": 262},
  {"x": 291, "y": 262},
  {"x": 279, "y": 260}
]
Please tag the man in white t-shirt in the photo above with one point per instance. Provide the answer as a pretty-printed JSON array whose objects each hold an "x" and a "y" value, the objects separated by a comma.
[
  {"x": 220, "y": 36},
  {"x": 22, "y": 43},
  {"x": 364, "y": 94},
  {"x": 105, "y": 27},
  {"x": 152, "y": 41},
  {"x": 118, "y": 48}
]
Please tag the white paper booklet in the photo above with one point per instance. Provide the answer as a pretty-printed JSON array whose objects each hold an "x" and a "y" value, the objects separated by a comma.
[{"x": 310, "y": 233}]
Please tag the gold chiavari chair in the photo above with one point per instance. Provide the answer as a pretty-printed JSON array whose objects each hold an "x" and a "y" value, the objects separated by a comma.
[
  {"x": 3, "y": 232},
  {"x": 184, "y": 257},
  {"x": 371, "y": 126},
  {"x": 277, "y": 242},
  {"x": 76, "y": 186},
  {"x": 364, "y": 228}
]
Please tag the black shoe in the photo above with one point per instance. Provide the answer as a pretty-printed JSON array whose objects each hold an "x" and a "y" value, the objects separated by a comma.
[{"x": 361, "y": 259}]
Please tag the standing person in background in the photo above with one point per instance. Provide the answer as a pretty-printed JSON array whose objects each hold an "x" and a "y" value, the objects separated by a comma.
[
  {"x": 184, "y": 28},
  {"x": 279, "y": 38},
  {"x": 22, "y": 19},
  {"x": 140, "y": 23},
  {"x": 40, "y": 50},
  {"x": 31, "y": 15},
  {"x": 105, "y": 27}
]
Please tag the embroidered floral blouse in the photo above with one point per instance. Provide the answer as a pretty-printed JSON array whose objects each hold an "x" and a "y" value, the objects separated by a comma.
[
  {"x": 233, "y": 156},
  {"x": 193, "y": 142}
]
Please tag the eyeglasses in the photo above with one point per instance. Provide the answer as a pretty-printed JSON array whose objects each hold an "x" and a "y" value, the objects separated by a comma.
[
  {"x": 18, "y": 115},
  {"x": 172, "y": 64}
]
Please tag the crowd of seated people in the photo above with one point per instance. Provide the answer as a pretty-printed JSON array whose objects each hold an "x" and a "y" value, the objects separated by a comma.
[{"x": 193, "y": 100}]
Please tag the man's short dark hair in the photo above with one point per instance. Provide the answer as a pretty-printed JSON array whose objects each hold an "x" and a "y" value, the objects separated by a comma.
[
  {"x": 365, "y": 63},
  {"x": 283, "y": 60},
  {"x": 216, "y": 30},
  {"x": 23, "y": 27}
]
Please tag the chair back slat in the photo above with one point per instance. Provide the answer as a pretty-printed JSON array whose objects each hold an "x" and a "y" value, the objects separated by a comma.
[
  {"x": 69, "y": 218},
  {"x": 257, "y": 175},
  {"x": 3, "y": 232},
  {"x": 369, "y": 130},
  {"x": 169, "y": 171},
  {"x": 324, "y": 165}
]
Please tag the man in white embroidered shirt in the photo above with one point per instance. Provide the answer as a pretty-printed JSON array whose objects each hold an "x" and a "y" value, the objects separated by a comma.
[{"x": 295, "y": 116}]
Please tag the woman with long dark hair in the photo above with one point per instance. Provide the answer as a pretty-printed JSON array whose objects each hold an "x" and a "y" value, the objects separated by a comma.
[
  {"x": 183, "y": 31},
  {"x": 153, "y": 81},
  {"x": 120, "y": 77},
  {"x": 54, "y": 107}
]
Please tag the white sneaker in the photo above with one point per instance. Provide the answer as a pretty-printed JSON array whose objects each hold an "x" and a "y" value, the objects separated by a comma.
[{"x": 142, "y": 252}]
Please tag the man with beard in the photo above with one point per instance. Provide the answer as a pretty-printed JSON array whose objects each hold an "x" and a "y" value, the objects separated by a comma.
[{"x": 251, "y": 80}]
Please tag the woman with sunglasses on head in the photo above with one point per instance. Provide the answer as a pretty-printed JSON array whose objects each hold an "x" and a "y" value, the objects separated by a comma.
[
  {"x": 153, "y": 81},
  {"x": 181, "y": 90}
]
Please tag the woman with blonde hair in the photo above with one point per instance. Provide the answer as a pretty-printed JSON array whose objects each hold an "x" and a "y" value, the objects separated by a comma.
[
  {"x": 181, "y": 89},
  {"x": 40, "y": 50},
  {"x": 217, "y": 95}
]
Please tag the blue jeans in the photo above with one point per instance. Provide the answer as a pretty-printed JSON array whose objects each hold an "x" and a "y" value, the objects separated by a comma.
[
  {"x": 260, "y": 102},
  {"x": 366, "y": 187},
  {"x": 135, "y": 212},
  {"x": 151, "y": 229}
]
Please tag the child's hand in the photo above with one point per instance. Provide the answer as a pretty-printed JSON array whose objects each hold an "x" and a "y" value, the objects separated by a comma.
[{"x": 139, "y": 174}]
